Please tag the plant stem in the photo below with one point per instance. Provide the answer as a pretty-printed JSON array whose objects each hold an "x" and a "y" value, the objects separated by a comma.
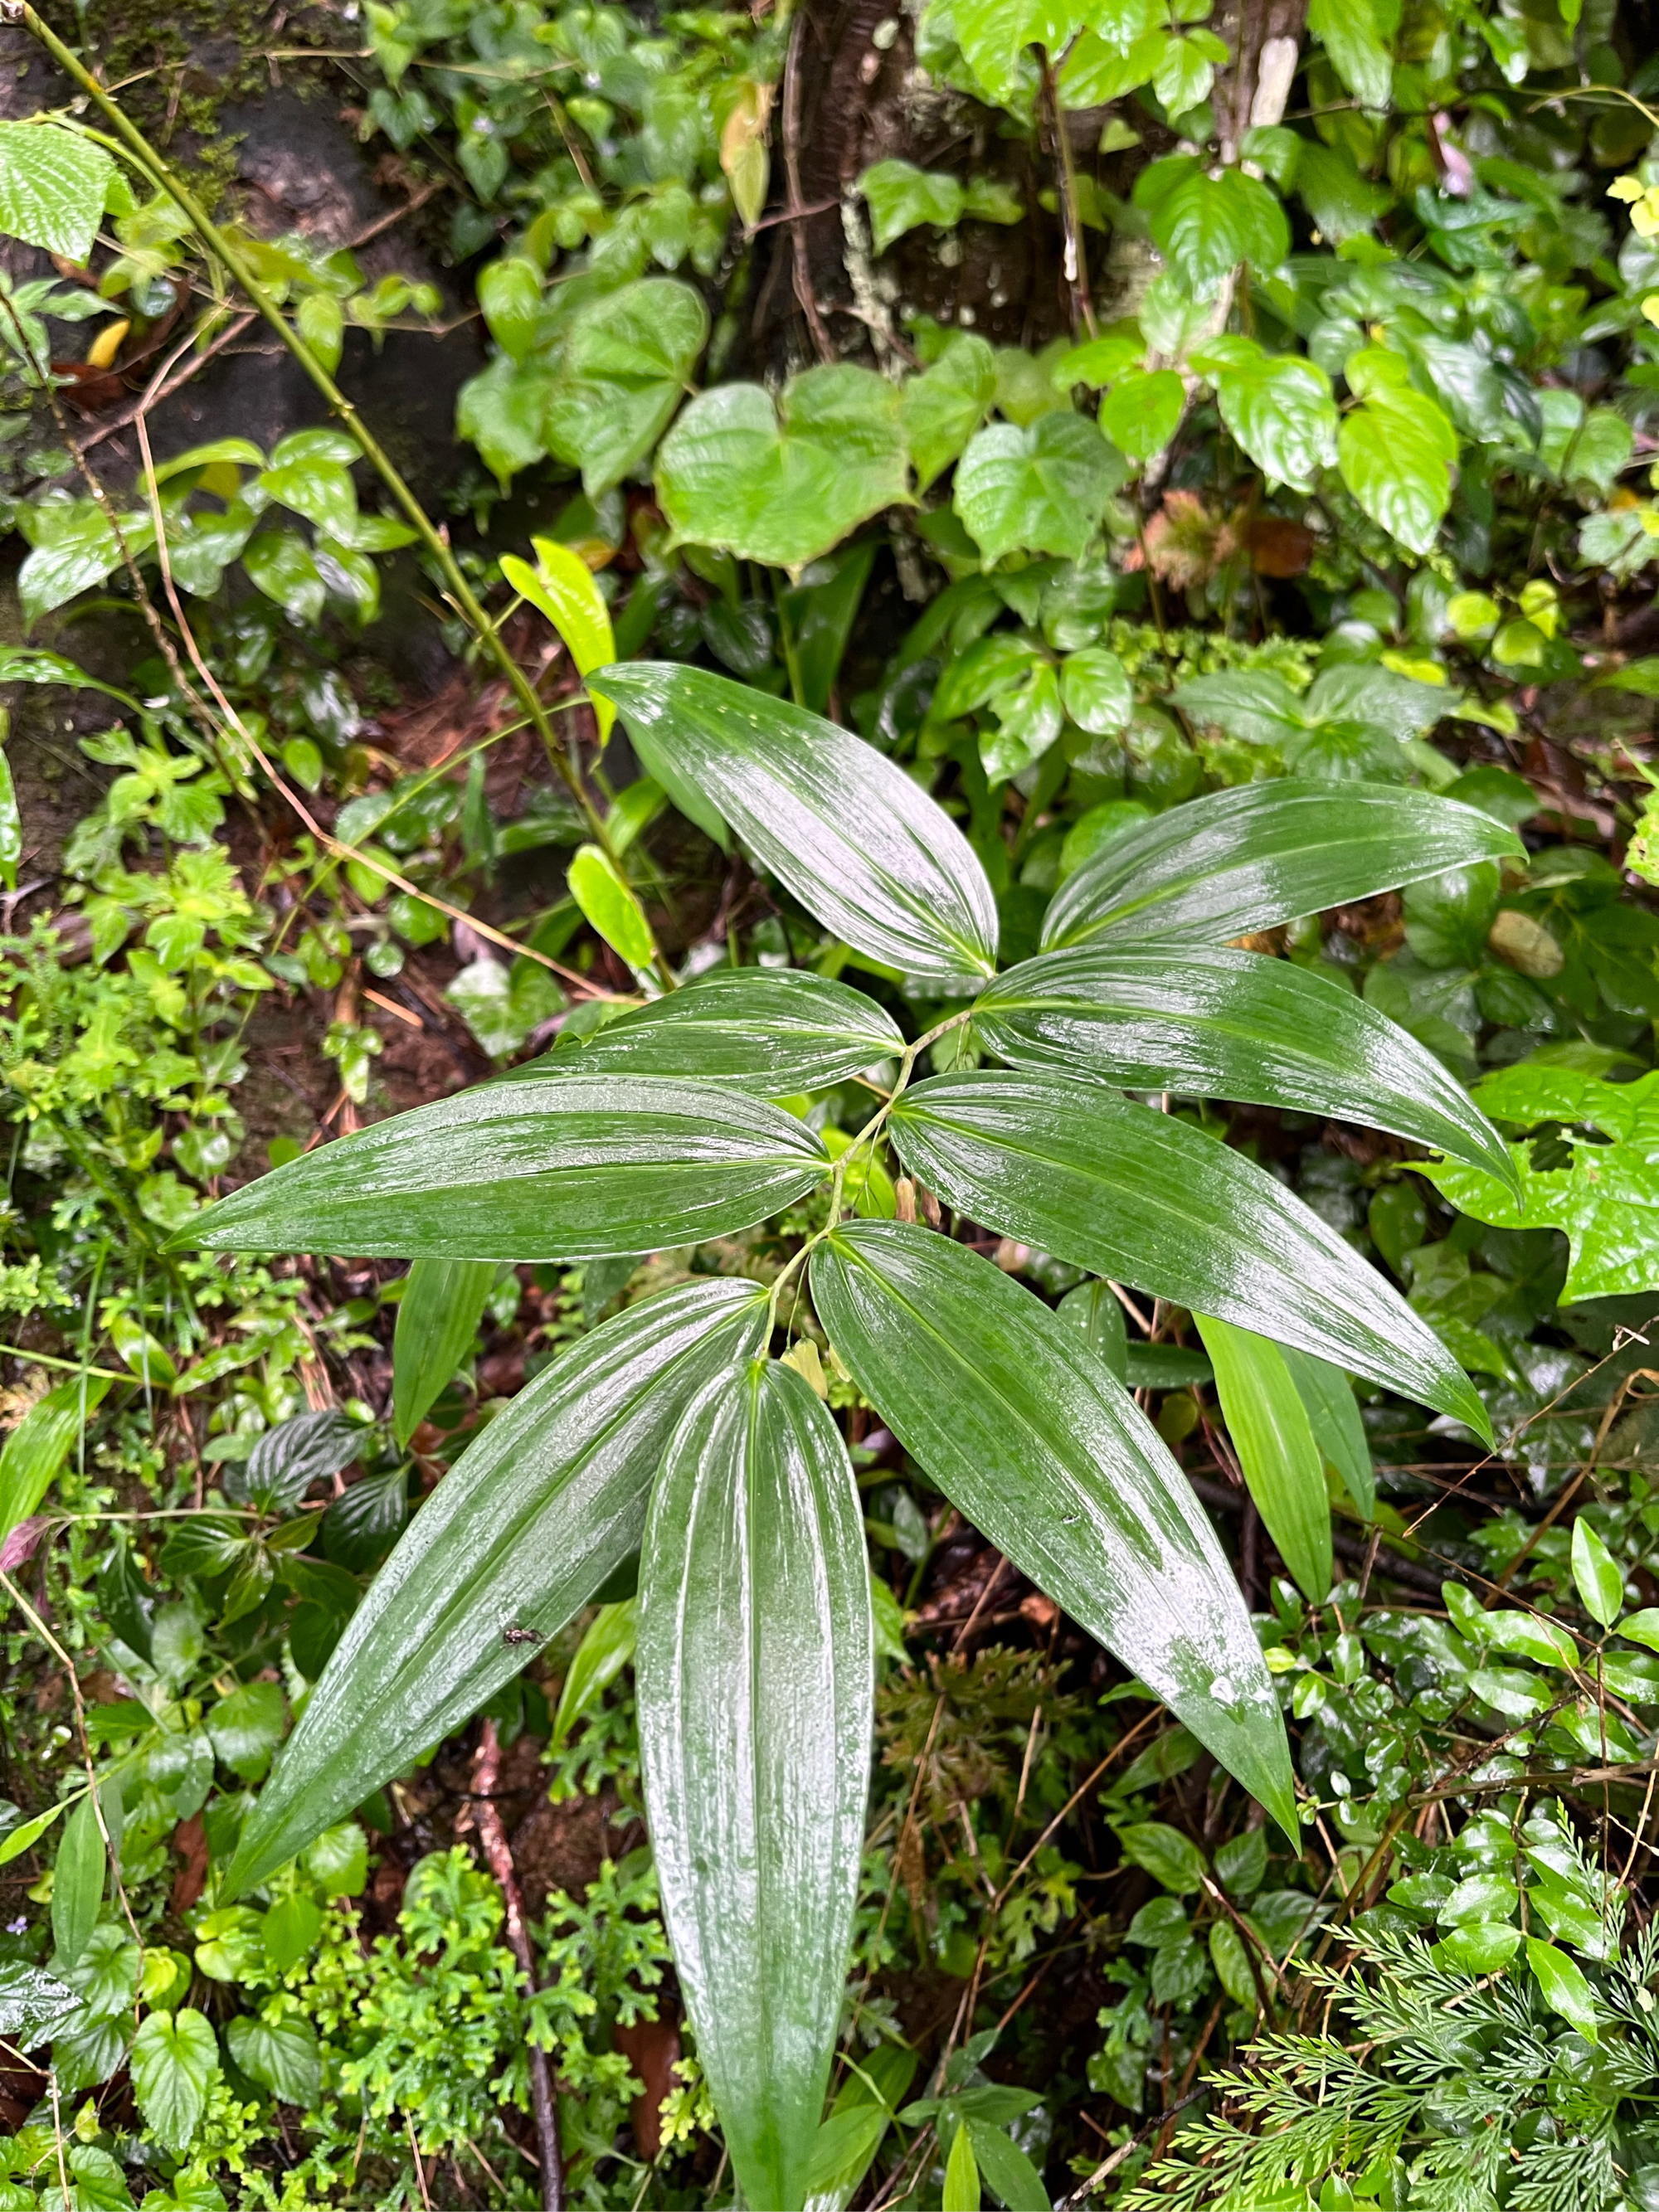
[
  {"x": 1071, "y": 206},
  {"x": 133, "y": 142}
]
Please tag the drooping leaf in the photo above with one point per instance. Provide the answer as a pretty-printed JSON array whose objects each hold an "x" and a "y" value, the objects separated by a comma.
[
  {"x": 53, "y": 184},
  {"x": 40, "y": 1442},
  {"x": 1263, "y": 854},
  {"x": 1204, "y": 225},
  {"x": 1042, "y": 486},
  {"x": 626, "y": 367},
  {"x": 776, "y": 1031},
  {"x": 1003, "y": 1404},
  {"x": 849, "y": 833},
  {"x": 1596, "y": 1572},
  {"x": 1338, "y": 1429},
  {"x": 1274, "y": 1440},
  {"x": 437, "y": 1317},
  {"x": 755, "y": 1673},
  {"x": 1348, "y": 30},
  {"x": 784, "y": 485},
  {"x": 525, "y": 1527},
  {"x": 561, "y": 1168},
  {"x": 1075, "y": 1170},
  {"x": 605, "y": 1648},
  {"x": 281, "y": 2055},
  {"x": 1212, "y": 1022}
]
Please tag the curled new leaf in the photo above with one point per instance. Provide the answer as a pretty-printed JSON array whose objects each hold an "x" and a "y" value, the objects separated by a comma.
[
  {"x": 562, "y": 1168},
  {"x": 522, "y": 1530},
  {"x": 1025, "y": 1430},
  {"x": 1263, "y": 854},
  {"x": 1137, "y": 1196},
  {"x": 850, "y": 834},
  {"x": 755, "y": 1673}
]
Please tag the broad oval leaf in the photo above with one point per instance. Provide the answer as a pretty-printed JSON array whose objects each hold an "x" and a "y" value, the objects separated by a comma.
[
  {"x": 625, "y": 368},
  {"x": 288, "y": 1459},
  {"x": 522, "y": 1530},
  {"x": 757, "y": 1678},
  {"x": 853, "y": 837},
  {"x": 1212, "y": 1022},
  {"x": 1027, "y": 1434},
  {"x": 53, "y": 184},
  {"x": 1263, "y": 854},
  {"x": 1139, "y": 1197},
  {"x": 437, "y": 1314},
  {"x": 776, "y": 1031},
  {"x": 1041, "y": 485},
  {"x": 562, "y": 1168},
  {"x": 1272, "y": 1434}
]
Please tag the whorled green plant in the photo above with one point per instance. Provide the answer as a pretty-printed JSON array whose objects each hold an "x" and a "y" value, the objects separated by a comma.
[{"x": 670, "y": 1432}]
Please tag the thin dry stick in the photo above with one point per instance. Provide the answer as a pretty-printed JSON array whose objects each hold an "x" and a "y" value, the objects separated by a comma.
[
  {"x": 492, "y": 1834},
  {"x": 332, "y": 844},
  {"x": 802, "y": 263}
]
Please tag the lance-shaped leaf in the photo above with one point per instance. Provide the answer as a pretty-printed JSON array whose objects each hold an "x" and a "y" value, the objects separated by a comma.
[
  {"x": 1212, "y": 1022},
  {"x": 755, "y": 1673},
  {"x": 562, "y": 1168},
  {"x": 1338, "y": 1429},
  {"x": 1025, "y": 1430},
  {"x": 1139, "y": 1197},
  {"x": 437, "y": 1314},
  {"x": 1262, "y": 853},
  {"x": 523, "y": 1529},
  {"x": 855, "y": 840},
  {"x": 774, "y": 1031},
  {"x": 1274, "y": 1437}
]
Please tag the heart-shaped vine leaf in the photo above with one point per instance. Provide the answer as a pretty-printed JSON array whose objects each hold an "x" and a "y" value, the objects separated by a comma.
[
  {"x": 1041, "y": 486},
  {"x": 627, "y": 365}
]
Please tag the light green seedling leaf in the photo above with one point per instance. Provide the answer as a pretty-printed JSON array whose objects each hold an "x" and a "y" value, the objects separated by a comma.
[
  {"x": 962, "y": 2192},
  {"x": 437, "y": 1317},
  {"x": 561, "y": 586},
  {"x": 611, "y": 907},
  {"x": 1594, "y": 1571},
  {"x": 605, "y": 1648},
  {"x": 53, "y": 184},
  {"x": 1274, "y": 1440},
  {"x": 40, "y": 1442}
]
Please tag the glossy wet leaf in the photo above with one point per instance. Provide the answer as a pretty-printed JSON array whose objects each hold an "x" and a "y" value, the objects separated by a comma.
[
  {"x": 438, "y": 1317},
  {"x": 1605, "y": 1199},
  {"x": 1595, "y": 1574},
  {"x": 777, "y": 1031},
  {"x": 784, "y": 482},
  {"x": 288, "y": 1459},
  {"x": 561, "y": 1168},
  {"x": 1072, "y": 1168},
  {"x": 1562, "y": 1984},
  {"x": 1395, "y": 450},
  {"x": 756, "y": 1682},
  {"x": 1279, "y": 407},
  {"x": 1263, "y": 854},
  {"x": 527, "y": 1525},
  {"x": 627, "y": 365},
  {"x": 1204, "y": 225},
  {"x": 1002, "y": 1403},
  {"x": 849, "y": 833},
  {"x": 1274, "y": 1440},
  {"x": 1041, "y": 486},
  {"x": 1212, "y": 1022}
]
